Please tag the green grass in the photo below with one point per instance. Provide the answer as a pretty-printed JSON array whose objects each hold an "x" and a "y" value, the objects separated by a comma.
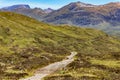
[
  {"x": 27, "y": 44},
  {"x": 108, "y": 63},
  {"x": 85, "y": 67}
]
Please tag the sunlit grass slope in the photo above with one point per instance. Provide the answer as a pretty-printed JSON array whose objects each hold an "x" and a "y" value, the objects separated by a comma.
[{"x": 27, "y": 44}]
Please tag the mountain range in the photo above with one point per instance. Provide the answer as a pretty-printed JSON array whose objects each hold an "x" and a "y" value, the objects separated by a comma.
[
  {"x": 81, "y": 14},
  {"x": 36, "y": 13},
  {"x": 104, "y": 17}
]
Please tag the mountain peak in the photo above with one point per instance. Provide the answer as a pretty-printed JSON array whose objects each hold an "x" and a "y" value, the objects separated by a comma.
[
  {"x": 37, "y": 8},
  {"x": 23, "y": 6},
  {"x": 48, "y": 10},
  {"x": 80, "y": 4},
  {"x": 114, "y": 4}
]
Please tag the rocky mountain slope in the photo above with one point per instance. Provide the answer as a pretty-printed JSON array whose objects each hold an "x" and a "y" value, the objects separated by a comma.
[
  {"x": 27, "y": 44},
  {"x": 80, "y": 14},
  {"x": 10, "y": 8},
  {"x": 105, "y": 17},
  {"x": 36, "y": 13},
  {"x": 48, "y": 10}
]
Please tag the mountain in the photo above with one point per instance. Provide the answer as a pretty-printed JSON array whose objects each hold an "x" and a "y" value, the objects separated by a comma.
[
  {"x": 105, "y": 17},
  {"x": 48, "y": 10},
  {"x": 36, "y": 13},
  {"x": 10, "y": 8},
  {"x": 81, "y": 14},
  {"x": 27, "y": 44}
]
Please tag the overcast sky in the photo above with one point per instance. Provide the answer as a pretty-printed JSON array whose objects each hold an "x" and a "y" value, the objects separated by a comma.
[{"x": 55, "y": 4}]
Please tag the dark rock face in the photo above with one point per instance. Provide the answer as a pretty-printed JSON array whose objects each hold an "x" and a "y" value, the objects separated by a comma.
[
  {"x": 83, "y": 18},
  {"x": 113, "y": 17}
]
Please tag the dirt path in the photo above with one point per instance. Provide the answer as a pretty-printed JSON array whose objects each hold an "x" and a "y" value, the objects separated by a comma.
[{"x": 41, "y": 73}]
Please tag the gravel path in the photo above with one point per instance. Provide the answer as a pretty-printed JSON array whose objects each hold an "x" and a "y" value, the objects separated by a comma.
[{"x": 41, "y": 73}]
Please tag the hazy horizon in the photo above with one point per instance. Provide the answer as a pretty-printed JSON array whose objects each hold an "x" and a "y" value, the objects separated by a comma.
[{"x": 54, "y": 4}]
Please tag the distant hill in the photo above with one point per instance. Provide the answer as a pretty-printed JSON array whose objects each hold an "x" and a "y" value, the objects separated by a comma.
[
  {"x": 105, "y": 17},
  {"x": 10, "y": 8},
  {"x": 36, "y": 13},
  {"x": 27, "y": 44},
  {"x": 48, "y": 10}
]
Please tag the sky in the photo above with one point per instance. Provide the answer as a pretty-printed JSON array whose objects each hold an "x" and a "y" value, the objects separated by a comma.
[{"x": 55, "y": 4}]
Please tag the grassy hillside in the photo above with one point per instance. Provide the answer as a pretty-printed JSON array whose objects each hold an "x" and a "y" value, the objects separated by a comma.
[{"x": 26, "y": 44}]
